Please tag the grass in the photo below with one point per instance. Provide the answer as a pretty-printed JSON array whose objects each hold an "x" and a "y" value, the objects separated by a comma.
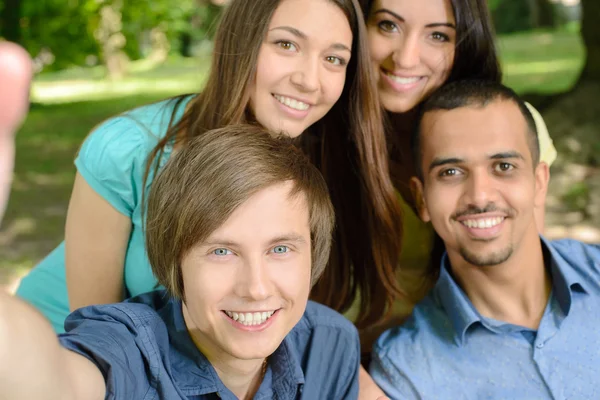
[{"x": 70, "y": 103}]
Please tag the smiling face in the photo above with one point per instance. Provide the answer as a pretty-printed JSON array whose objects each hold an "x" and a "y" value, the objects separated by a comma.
[
  {"x": 301, "y": 67},
  {"x": 412, "y": 46},
  {"x": 247, "y": 284},
  {"x": 480, "y": 186}
]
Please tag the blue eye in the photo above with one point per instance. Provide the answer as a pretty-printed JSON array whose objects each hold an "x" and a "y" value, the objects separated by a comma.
[
  {"x": 280, "y": 249},
  {"x": 222, "y": 252}
]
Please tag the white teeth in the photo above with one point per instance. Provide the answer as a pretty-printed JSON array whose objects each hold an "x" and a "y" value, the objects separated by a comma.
[
  {"x": 291, "y": 103},
  {"x": 249, "y": 319},
  {"x": 482, "y": 223},
  {"x": 403, "y": 81}
]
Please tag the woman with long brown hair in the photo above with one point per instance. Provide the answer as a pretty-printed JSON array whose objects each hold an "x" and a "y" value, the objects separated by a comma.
[{"x": 301, "y": 67}]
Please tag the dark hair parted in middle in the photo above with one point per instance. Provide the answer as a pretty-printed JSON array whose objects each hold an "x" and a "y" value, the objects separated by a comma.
[
  {"x": 348, "y": 146},
  {"x": 472, "y": 93},
  {"x": 207, "y": 180},
  {"x": 476, "y": 56}
]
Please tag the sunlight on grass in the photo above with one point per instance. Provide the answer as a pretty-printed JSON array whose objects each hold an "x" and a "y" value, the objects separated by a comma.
[{"x": 71, "y": 91}]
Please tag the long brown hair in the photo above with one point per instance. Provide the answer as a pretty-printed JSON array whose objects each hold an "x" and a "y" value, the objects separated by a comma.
[{"x": 348, "y": 146}]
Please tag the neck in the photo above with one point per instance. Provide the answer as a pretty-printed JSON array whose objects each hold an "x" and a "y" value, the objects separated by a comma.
[
  {"x": 515, "y": 291},
  {"x": 242, "y": 377}
]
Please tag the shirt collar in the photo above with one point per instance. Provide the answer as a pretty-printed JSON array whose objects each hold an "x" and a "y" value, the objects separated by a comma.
[
  {"x": 455, "y": 302},
  {"x": 565, "y": 279},
  {"x": 463, "y": 314},
  {"x": 194, "y": 375}
]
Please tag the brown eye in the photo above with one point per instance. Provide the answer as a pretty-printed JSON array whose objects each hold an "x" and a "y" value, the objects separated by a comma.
[
  {"x": 285, "y": 45},
  {"x": 387, "y": 26},
  {"x": 440, "y": 37},
  {"x": 504, "y": 167}
]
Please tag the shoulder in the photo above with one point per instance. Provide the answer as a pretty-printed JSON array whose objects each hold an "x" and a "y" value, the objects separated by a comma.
[
  {"x": 327, "y": 347},
  {"x": 137, "y": 314},
  {"x": 134, "y": 128},
  {"x": 427, "y": 330},
  {"x": 320, "y": 317},
  {"x": 583, "y": 257}
]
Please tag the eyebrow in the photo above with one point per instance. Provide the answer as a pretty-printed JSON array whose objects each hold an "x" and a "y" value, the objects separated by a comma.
[
  {"x": 507, "y": 155},
  {"x": 438, "y": 162},
  {"x": 287, "y": 237},
  {"x": 302, "y": 35},
  {"x": 400, "y": 18}
]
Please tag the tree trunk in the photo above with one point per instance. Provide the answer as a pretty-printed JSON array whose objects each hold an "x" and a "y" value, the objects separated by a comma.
[
  {"x": 590, "y": 32},
  {"x": 112, "y": 41},
  {"x": 9, "y": 21},
  {"x": 544, "y": 15}
]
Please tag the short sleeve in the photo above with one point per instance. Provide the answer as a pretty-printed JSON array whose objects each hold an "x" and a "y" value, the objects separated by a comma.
[
  {"x": 547, "y": 151},
  {"x": 111, "y": 160},
  {"x": 108, "y": 337}
]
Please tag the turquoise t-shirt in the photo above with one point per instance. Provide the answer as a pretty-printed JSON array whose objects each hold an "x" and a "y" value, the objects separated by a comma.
[{"x": 112, "y": 160}]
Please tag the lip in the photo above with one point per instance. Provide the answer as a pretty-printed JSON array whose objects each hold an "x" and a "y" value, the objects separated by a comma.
[
  {"x": 399, "y": 87},
  {"x": 290, "y": 112},
  {"x": 252, "y": 328},
  {"x": 483, "y": 233}
]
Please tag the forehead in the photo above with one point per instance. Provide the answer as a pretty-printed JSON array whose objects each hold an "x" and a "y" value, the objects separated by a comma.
[
  {"x": 266, "y": 214},
  {"x": 473, "y": 133},
  {"x": 318, "y": 19},
  {"x": 425, "y": 11}
]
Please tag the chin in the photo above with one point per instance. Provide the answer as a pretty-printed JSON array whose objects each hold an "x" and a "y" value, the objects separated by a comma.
[{"x": 397, "y": 106}]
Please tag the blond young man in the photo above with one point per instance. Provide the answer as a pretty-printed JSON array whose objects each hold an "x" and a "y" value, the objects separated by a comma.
[{"x": 238, "y": 230}]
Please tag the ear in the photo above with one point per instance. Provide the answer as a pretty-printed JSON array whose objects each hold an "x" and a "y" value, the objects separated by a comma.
[
  {"x": 416, "y": 188},
  {"x": 542, "y": 177}
]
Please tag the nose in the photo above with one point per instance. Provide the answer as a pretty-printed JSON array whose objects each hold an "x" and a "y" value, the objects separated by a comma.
[
  {"x": 306, "y": 77},
  {"x": 253, "y": 281},
  {"x": 480, "y": 189},
  {"x": 408, "y": 52}
]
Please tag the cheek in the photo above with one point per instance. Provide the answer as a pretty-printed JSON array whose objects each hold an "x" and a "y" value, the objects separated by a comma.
[
  {"x": 441, "y": 203},
  {"x": 199, "y": 293},
  {"x": 442, "y": 61},
  {"x": 294, "y": 281},
  {"x": 334, "y": 87},
  {"x": 380, "y": 48}
]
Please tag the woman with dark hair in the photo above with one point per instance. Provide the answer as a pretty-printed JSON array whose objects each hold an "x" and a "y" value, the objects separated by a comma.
[
  {"x": 301, "y": 67},
  {"x": 416, "y": 48}
]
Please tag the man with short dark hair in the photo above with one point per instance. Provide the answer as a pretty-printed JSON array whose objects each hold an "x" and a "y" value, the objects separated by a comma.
[{"x": 512, "y": 315}]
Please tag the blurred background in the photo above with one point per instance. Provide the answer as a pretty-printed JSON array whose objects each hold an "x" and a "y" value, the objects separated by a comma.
[{"x": 97, "y": 58}]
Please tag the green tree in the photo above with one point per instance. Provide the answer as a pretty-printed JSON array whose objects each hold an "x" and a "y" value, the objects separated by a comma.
[{"x": 10, "y": 16}]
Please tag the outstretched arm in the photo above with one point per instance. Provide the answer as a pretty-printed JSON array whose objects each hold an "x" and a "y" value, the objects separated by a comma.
[
  {"x": 34, "y": 365},
  {"x": 15, "y": 77}
]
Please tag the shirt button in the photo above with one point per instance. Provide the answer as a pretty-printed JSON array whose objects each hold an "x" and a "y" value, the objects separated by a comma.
[{"x": 539, "y": 345}]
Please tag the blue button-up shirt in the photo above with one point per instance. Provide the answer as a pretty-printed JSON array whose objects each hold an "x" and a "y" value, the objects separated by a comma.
[
  {"x": 447, "y": 350},
  {"x": 143, "y": 349}
]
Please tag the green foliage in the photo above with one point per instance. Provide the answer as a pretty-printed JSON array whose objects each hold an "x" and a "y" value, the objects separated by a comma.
[
  {"x": 511, "y": 16},
  {"x": 65, "y": 28},
  {"x": 577, "y": 197}
]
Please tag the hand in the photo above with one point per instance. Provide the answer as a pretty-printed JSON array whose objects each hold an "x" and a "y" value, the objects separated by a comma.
[{"x": 16, "y": 71}]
